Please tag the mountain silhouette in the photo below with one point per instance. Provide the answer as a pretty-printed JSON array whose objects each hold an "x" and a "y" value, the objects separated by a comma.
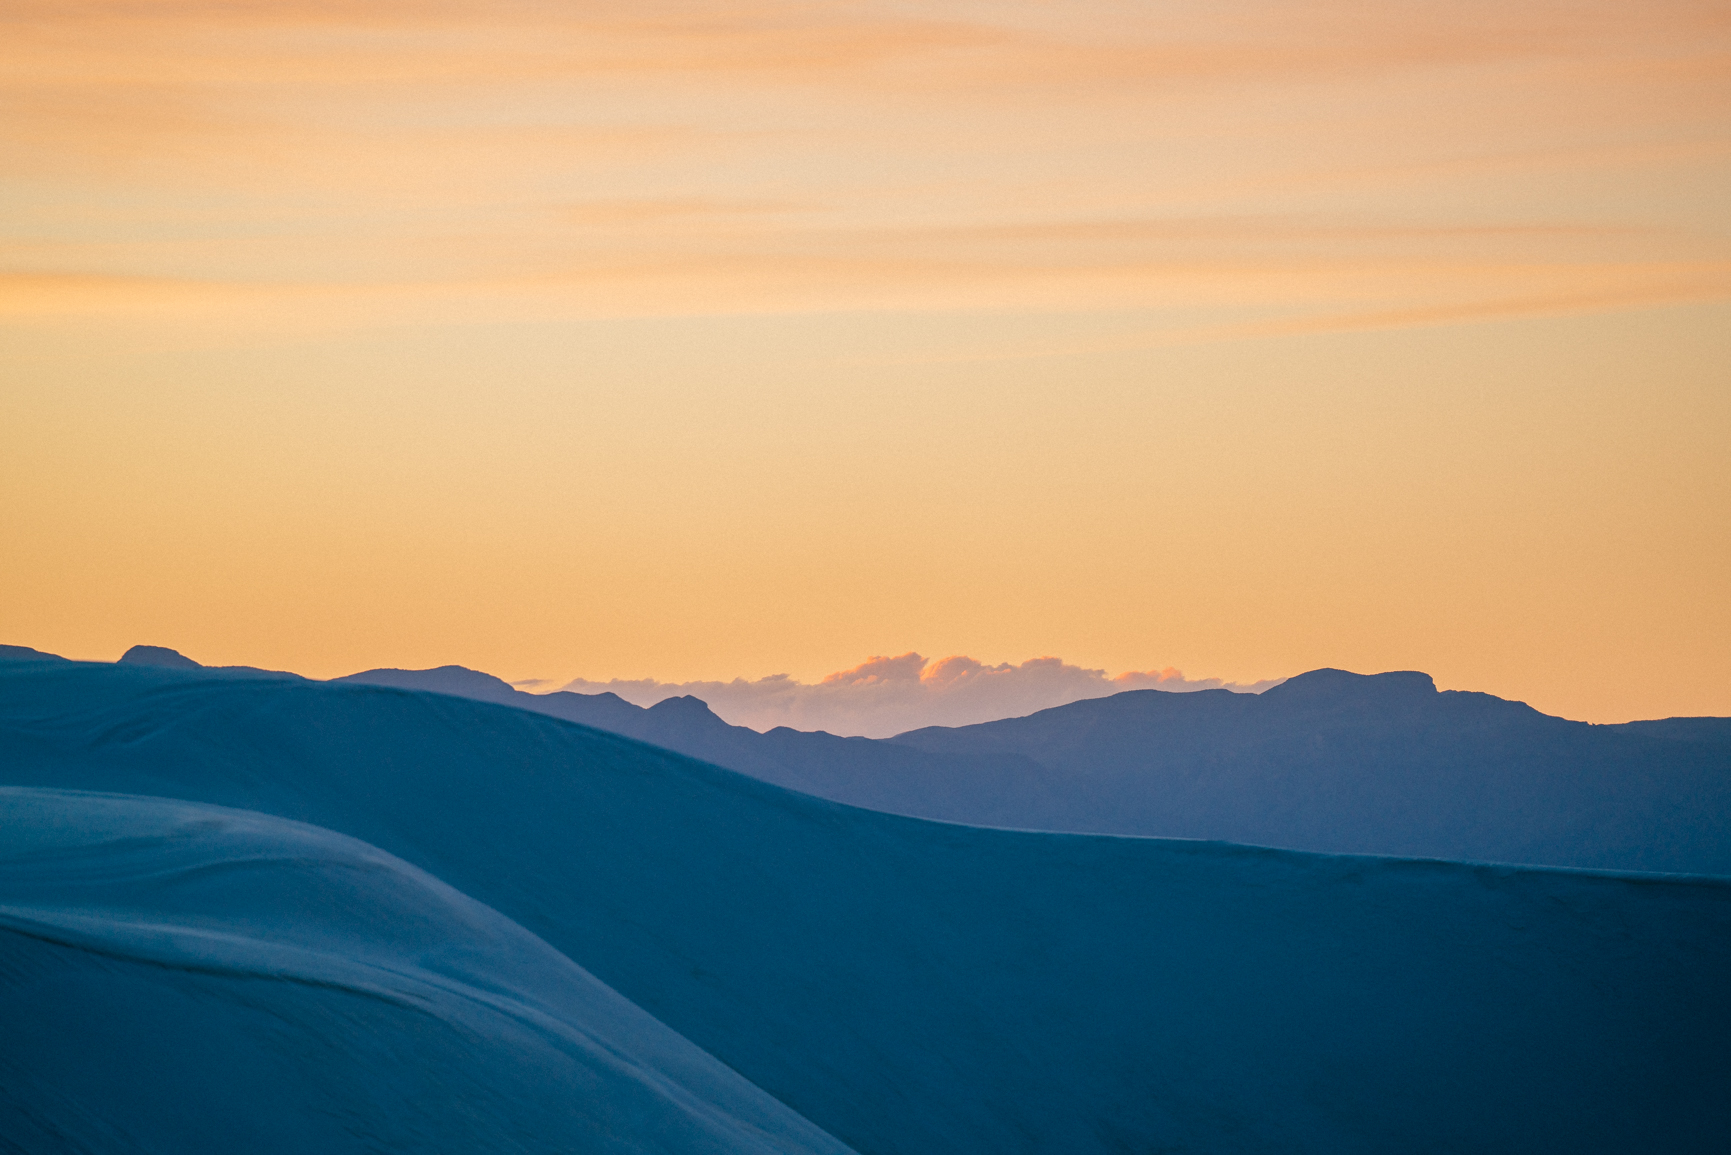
[
  {"x": 26, "y": 654},
  {"x": 1327, "y": 761},
  {"x": 906, "y": 986},
  {"x": 996, "y": 789},
  {"x": 164, "y": 658},
  {"x": 158, "y": 656},
  {"x": 1385, "y": 763}
]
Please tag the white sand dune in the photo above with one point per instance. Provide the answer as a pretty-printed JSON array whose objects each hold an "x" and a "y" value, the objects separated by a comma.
[
  {"x": 916, "y": 987},
  {"x": 183, "y": 977}
]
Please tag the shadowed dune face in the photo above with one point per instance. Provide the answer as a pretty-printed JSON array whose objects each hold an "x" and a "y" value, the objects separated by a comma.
[
  {"x": 321, "y": 995},
  {"x": 916, "y": 987}
]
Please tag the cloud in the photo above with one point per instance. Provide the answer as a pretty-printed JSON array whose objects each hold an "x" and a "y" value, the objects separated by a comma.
[
  {"x": 889, "y": 695},
  {"x": 749, "y": 265},
  {"x": 1027, "y": 45},
  {"x": 446, "y": 159}
]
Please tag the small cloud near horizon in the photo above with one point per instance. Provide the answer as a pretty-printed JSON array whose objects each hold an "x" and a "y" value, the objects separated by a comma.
[{"x": 883, "y": 696}]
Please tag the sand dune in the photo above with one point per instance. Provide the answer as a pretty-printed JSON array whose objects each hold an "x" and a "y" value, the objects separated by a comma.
[{"x": 910, "y": 986}]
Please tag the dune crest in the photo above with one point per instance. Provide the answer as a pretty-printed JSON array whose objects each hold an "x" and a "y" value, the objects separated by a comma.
[{"x": 330, "y": 997}]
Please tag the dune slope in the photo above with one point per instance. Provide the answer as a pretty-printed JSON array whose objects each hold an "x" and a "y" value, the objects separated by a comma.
[
  {"x": 188, "y": 978},
  {"x": 915, "y": 987}
]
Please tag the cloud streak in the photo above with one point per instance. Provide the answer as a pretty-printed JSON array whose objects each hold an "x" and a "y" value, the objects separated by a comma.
[
  {"x": 883, "y": 696},
  {"x": 567, "y": 160}
]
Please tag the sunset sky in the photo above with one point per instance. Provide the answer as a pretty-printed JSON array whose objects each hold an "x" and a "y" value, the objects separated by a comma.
[{"x": 690, "y": 341}]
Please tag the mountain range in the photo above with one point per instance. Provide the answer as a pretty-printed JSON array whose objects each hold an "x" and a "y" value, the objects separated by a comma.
[{"x": 1327, "y": 761}]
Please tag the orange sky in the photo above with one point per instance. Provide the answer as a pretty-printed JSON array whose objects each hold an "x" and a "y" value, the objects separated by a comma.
[{"x": 694, "y": 340}]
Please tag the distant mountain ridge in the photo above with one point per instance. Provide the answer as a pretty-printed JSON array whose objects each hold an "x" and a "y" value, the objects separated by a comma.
[
  {"x": 1344, "y": 762},
  {"x": 876, "y": 774},
  {"x": 1328, "y": 761},
  {"x": 164, "y": 658}
]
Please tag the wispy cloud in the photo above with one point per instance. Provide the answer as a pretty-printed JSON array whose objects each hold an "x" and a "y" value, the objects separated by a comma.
[
  {"x": 528, "y": 158},
  {"x": 890, "y": 695},
  {"x": 1028, "y": 45}
]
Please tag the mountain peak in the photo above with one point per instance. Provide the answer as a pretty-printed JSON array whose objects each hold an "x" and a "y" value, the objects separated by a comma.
[
  {"x": 160, "y": 656},
  {"x": 1330, "y": 684},
  {"x": 688, "y": 704},
  {"x": 688, "y": 711},
  {"x": 457, "y": 680},
  {"x": 26, "y": 654}
]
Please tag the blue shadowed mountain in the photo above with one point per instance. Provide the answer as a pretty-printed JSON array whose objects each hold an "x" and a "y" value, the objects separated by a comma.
[
  {"x": 914, "y": 987},
  {"x": 26, "y": 654},
  {"x": 1328, "y": 761},
  {"x": 1385, "y": 763},
  {"x": 164, "y": 658},
  {"x": 997, "y": 789},
  {"x": 158, "y": 656}
]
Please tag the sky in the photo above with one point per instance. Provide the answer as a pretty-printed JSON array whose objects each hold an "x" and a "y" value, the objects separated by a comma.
[{"x": 690, "y": 342}]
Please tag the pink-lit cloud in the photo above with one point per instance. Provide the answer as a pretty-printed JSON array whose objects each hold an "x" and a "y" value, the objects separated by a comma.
[{"x": 888, "y": 695}]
